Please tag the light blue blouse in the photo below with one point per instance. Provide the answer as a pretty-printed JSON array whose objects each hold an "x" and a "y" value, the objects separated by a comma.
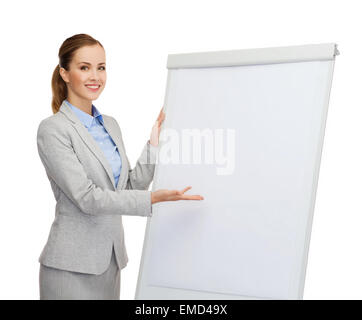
[{"x": 95, "y": 127}]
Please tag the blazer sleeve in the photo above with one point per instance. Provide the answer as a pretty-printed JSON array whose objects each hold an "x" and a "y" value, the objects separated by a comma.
[
  {"x": 141, "y": 176},
  {"x": 64, "y": 168}
]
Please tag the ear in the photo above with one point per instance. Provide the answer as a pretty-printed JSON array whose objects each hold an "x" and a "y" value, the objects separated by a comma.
[{"x": 64, "y": 74}]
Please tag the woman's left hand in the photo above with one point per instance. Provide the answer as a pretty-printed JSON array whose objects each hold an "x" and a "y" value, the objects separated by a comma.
[{"x": 155, "y": 133}]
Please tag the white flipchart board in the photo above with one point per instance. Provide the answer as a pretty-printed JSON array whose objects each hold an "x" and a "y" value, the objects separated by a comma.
[{"x": 249, "y": 237}]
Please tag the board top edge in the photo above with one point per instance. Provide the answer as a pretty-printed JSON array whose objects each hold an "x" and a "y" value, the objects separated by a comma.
[{"x": 257, "y": 56}]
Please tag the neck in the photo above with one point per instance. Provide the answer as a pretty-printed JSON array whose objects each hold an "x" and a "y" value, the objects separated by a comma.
[{"x": 82, "y": 104}]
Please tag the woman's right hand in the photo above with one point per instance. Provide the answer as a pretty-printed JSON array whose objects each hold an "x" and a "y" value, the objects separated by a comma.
[{"x": 172, "y": 195}]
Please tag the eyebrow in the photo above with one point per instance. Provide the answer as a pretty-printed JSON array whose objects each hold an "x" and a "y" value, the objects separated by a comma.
[{"x": 90, "y": 63}]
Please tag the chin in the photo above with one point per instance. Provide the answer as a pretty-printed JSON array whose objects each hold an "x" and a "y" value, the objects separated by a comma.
[{"x": 92, "y": 96}]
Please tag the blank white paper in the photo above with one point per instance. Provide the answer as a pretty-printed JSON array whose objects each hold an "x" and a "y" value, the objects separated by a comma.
[{"x": 248, "y": 237}]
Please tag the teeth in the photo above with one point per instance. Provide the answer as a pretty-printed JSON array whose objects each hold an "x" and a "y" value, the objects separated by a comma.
[{"x": 93, "y": 87}]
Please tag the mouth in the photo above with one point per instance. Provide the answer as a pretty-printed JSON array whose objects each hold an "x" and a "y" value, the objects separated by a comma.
[{"x": 93, "y": 87}]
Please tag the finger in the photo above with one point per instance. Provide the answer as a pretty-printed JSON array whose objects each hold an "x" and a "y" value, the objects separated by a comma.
[
  {"x": 193, "y": 197},
  {"x": 160, "y": 115},
  {"x": 163, "y": 116},
  {"x": 186, "y": 189},
  {"x": 160, "y": 120}
]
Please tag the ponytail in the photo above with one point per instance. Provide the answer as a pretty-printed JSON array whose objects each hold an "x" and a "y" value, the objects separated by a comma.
[{"x": 59, "y": 89}]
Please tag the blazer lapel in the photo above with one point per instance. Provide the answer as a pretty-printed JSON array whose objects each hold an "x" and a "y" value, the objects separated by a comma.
[
  {"x": 88, "y": 140},
  {"x": 108, "y": 125}
]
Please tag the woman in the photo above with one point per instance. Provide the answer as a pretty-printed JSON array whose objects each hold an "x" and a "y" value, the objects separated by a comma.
[{"x": 84, "y": 157}]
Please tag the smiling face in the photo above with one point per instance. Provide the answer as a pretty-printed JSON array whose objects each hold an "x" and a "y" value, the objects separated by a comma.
[{"x": 86, "y": 76}]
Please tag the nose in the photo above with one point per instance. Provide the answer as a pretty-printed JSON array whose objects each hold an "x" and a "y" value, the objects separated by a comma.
[{"x": 94, "y": 75}]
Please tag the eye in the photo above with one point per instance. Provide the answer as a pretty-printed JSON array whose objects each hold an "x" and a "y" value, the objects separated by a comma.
[{"x": 82, "y": 68}]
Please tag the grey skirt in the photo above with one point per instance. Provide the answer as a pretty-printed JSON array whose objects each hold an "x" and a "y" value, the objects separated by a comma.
[{"x": 56, "y": 284}]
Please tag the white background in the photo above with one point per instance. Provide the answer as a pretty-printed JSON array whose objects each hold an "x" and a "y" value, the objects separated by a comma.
[{"x": 137, "y": 37}]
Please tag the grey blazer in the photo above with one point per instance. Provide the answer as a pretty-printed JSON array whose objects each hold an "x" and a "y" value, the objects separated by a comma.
[{"x": 89, "y": 208}]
